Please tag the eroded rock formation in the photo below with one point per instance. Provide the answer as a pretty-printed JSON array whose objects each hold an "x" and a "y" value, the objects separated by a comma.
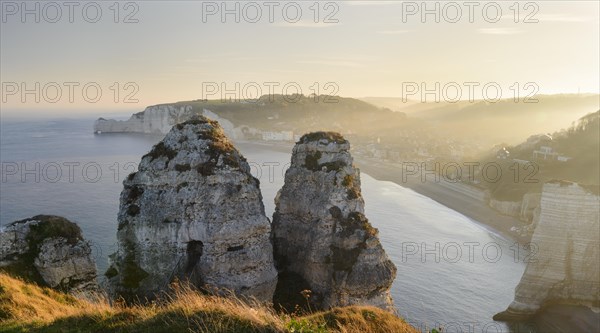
[
  {"x": 193, "y": 211},
  {"x": 50, "y": 251},
  {"x": 563, "y": 269},
  {"x": 322, "y": 240}
]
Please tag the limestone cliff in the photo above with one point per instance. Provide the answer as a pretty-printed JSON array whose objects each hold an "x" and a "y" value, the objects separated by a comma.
[
  {"x": 50, "y": 251},
  {"x": 563, "y": 269},
  {"x": 193, "y": 211},
  {"x": 156, "y": 119},
  {"x": 523, "y": 209},
  {"x": 322, "y": 240},
  {"x": 159, "y": 119}
]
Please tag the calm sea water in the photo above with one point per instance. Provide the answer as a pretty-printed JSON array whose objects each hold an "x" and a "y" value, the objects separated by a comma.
[{"x": 451, "y": 271}]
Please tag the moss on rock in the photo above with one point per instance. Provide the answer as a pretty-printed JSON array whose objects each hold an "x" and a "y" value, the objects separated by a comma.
[
  {"x": 329, "y": 136},
  {"x": 159, "y": 150},
  {"x": 49, "y": 226}
]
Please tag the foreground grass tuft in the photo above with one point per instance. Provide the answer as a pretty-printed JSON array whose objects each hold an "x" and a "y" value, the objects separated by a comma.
[{"x": 28, "y": 308}]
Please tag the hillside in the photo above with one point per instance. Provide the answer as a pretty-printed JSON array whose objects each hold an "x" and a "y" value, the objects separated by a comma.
[
  {"x": 580, "y": 143},
  {"x": 504, "y": 121},
  {"x": 303, "y": 113},
  {"x": 28, "y": 308}
]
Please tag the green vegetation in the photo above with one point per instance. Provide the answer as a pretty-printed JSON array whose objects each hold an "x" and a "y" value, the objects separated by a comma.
[
  {"x": 301, "y": 113},
  {"x": 196, "y": 120},
  {"x": 182, "y": 167},
  {"x": 311, "y": 161},
  {"x": 580, "y": 142},
  {"x": 333, "y": 166},
  {"x": 131, "y": 273},
  {"x": 29, "y": 308},
  {"x": 358, "y": 221},
  {"x": 353, "y": 193},
  {"x": 133, "y": 193},
  {"x": 306, "y": 326},
  {"x": 159, "y": 150},
  {"x": 49, "y": 227},
  {"x": 329, "y": 136},
  {"x": 343, "y": 259},
  {"x": 111, "y": 272},
  {"x": 348, "y": 181},
  {"x": 219, "y": 147}
]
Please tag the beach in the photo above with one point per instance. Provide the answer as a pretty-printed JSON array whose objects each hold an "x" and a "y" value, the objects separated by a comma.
[{"x": 476, "y": 210}]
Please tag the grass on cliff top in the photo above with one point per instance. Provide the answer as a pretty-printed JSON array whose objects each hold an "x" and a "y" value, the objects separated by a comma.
[
  {"x": 28, "y": 308},
  {"x": 329, "y": 136}
]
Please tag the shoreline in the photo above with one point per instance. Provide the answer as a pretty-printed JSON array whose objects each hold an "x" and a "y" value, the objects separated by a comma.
[{"x": 478, "y": 212}]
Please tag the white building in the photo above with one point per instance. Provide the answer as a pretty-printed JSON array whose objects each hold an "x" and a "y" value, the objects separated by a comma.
[{"x": 545, "y": 153}]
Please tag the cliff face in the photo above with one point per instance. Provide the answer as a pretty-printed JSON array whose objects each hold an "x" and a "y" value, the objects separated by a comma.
[
  {"x": 321, "y": 237},
  {"x": 530, "y": 207},
  {"x": 564, "y": 269},
  {"x": 154, "y": 120},
  {"x": 510, "y": 208},
  {"x": 50, "y": 251},
  {"x": 158, "y": 119},
  {"x": 193, "y": 211},
  {"x": 524, "y": 209}
]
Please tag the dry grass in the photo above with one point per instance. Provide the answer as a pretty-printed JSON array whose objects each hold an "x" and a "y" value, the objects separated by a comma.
[
  {"x": 362, "y": 319},
  {"x": 21, "y": 301},
  {"x": 28, "y": 308}
]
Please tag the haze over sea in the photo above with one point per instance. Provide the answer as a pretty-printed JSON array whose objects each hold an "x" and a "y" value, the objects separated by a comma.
[{"x": 461, "y": 291}]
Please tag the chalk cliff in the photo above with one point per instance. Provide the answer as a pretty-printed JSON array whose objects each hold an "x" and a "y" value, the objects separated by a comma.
[
  {"x": 156, "y": 119},
  {"x": 523, "y": 209},
  {"x": 159, "y": 119},
  {"x": 322, "y": 240},
  {"x": 50, "y": 251},
  {"x": 563, "y": 269},
  {"x": 193, "y": 211}
]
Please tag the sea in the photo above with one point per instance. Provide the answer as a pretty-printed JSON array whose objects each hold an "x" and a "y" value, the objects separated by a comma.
[{"x": 453, "y": 273}]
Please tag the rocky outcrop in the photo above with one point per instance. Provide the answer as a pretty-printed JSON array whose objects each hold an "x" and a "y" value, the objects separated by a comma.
[
  {"x": 530, "y": 207},
  {"x": 322, "y": 240},
  {"x": 510, "y": 208},
  {"x": 193, "y": 211},
  {"x": 50, "y": 251},
  {"x": 523, "y": 210},
  {"x": 563, "y": 267},
  {"x": 159, "y": 119}
]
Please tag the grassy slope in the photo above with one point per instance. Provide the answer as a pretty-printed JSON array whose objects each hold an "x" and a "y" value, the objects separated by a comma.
[{"x": 28, "y": 308}]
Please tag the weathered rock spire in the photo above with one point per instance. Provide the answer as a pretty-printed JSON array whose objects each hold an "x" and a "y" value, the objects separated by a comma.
[
  {"x": 322, "y": 239},
  {"x": 193, "y": 211}
]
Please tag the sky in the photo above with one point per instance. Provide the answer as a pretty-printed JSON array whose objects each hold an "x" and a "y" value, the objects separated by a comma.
[{"x": 167, "y": 51}]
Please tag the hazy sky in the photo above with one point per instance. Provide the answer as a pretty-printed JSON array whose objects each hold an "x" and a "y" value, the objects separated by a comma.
[{"x": 372, "y": 50}]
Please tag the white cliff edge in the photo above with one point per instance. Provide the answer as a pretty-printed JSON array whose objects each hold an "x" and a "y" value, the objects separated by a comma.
[
  {"x": 159, "y": 119},
  {"x": 563, "y": 269}
]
